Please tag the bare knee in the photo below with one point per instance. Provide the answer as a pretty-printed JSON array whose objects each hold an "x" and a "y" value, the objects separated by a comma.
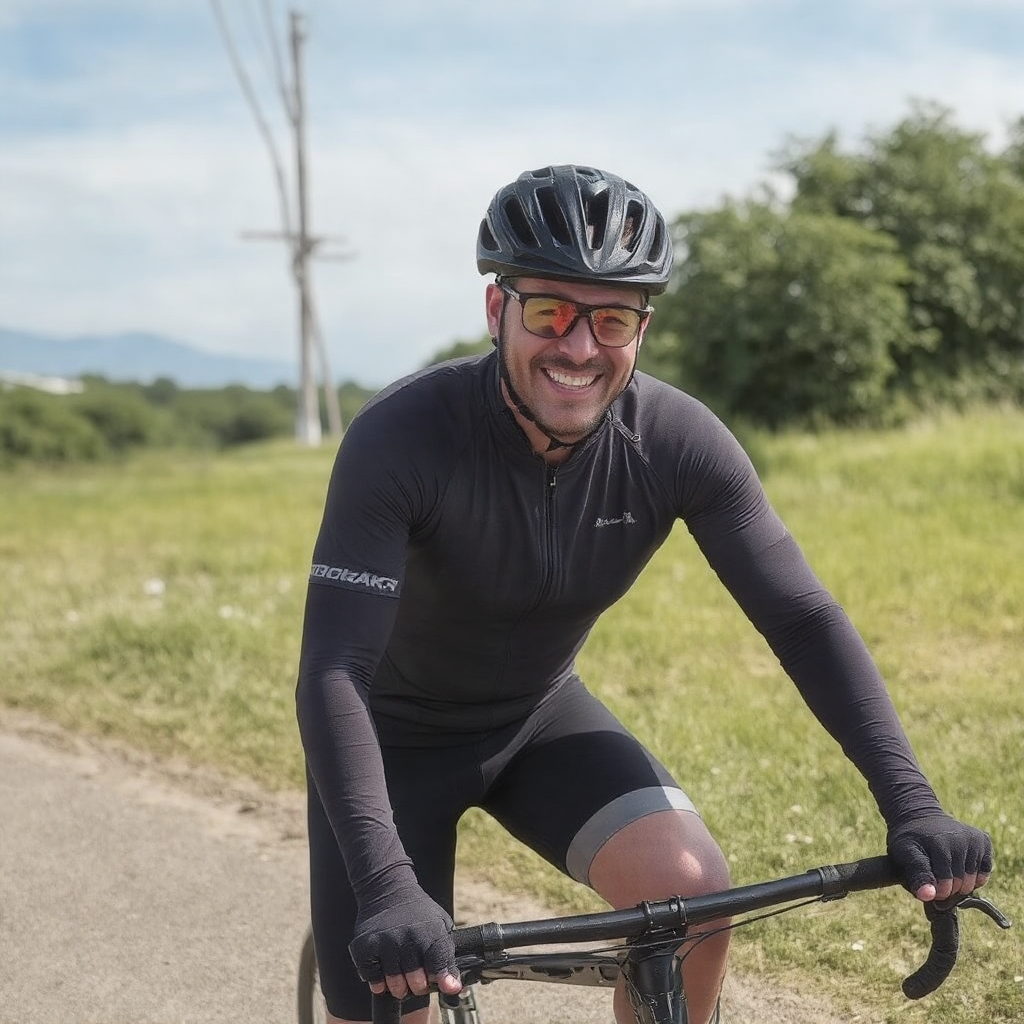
[{"x": 667, "y": 853}]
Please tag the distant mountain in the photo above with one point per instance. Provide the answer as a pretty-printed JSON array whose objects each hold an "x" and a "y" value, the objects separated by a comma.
[{"x": 137, "y": 357}]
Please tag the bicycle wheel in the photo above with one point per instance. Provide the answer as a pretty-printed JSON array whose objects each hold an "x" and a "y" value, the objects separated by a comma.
[
  {"x": 462, "y": 1009},
  {"x": 311, "y": 1007}
]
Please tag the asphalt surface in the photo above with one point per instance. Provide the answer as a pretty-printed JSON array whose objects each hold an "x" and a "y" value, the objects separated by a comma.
[
  {"x": 126, "y": 899},
  {"x": 142, "y": 892}
]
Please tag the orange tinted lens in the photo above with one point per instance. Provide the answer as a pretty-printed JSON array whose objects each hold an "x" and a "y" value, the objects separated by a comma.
[
  {"x": 549, "y": 317},
  {"x": 614, "y": 326}
]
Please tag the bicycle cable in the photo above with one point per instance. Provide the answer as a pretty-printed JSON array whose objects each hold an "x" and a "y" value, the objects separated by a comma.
[{"x": 652, "y": 940}]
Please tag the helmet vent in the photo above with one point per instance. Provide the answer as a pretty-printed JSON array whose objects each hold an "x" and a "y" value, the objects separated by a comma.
[
  {"x": 631, "y": 226},
  {"x": 553, "y": 216},
  {"x": 658, "y": 243},
  {"x": 486, "y": 239},
  {"x": 597, "y": 219},
  {"x": 519, "y": 223},
  {"x": 576, "y": 224}
]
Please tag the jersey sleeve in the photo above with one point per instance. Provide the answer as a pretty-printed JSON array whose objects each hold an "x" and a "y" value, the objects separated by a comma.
[
  {"x": 726, "y": 510},
  {"x": 373, "y": 503}
]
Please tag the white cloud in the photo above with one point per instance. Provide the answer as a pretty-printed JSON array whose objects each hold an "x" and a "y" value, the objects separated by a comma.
[{"x": 125, "y": 189}]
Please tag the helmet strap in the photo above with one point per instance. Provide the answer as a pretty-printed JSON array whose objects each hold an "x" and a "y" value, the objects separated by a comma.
[
  {"x": 523, "y": 409},
  {"x": 554, "y": 443}
]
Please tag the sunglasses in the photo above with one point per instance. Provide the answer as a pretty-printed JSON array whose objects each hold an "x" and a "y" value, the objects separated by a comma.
[{"x": 548, "y": 316}]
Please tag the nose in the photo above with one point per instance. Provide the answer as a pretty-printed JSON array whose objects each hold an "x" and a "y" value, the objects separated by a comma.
[{"x": 580, "y": 344}]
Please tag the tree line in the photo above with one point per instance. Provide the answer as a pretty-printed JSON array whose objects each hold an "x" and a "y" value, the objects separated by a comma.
[
  {"x": 869, "y": 285},
  {"x": 106, "y": 419},
  {"x": 860, "y": 288}
]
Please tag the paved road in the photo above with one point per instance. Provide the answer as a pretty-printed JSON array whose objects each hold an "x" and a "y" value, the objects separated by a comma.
[
  {"x": 132, "y": 893},
  {"x": 142, "y": 893},
  {"x": 125, "y": 899}
]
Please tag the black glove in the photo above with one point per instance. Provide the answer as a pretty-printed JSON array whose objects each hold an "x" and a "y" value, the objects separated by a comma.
[
  {"x": 936, "y": 846},
  {"x": 412, "y": 932}
]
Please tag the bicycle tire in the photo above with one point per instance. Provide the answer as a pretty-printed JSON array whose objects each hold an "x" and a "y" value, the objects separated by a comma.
[{"x": 310, "y": 1008}]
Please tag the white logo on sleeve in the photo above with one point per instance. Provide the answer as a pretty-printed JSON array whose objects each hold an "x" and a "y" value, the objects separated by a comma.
[{"x": 369, "y": 580}]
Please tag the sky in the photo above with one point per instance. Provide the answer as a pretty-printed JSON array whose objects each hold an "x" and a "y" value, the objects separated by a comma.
[{"x": 132, "y": 170}]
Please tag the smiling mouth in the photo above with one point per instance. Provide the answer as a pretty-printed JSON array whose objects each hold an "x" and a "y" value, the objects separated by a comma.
[{"x": 571, "y": 380}]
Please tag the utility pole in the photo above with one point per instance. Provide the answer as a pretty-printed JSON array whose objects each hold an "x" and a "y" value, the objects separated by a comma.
[{"x": 308, "y": 428}]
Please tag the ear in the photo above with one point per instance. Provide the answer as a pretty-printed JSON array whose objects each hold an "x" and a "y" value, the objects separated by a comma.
[
  {"x": 492, "y": 306},
  {"x": 642, "y": 332}
]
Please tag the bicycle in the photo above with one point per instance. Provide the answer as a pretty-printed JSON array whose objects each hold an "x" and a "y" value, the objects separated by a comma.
[{"x": 647, "y": 940}]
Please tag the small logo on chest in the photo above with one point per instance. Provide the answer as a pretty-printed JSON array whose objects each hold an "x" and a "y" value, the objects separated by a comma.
[{"x": 626, "y": 519}]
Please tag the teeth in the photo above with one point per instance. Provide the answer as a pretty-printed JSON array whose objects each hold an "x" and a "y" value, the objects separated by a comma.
[{"x": 571, "y": 382}]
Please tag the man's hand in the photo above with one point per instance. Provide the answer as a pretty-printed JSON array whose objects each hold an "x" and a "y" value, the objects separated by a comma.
[
  {"x": 940, "y": 856},
  {"x": 406, "y": 946}
]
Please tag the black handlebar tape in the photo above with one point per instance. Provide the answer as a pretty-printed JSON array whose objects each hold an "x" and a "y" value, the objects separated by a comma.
[
  {"x": 478, "y": 938},
  {"x": 941, "y": 957},
  {"x": 869, "y": 873}
]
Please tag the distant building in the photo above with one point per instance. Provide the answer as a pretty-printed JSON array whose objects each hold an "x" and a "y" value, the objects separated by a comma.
[{"x": 51, "y": 385}]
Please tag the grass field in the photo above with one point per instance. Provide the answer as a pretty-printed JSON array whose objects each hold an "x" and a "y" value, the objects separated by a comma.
[{"x": 160, "y": 601}]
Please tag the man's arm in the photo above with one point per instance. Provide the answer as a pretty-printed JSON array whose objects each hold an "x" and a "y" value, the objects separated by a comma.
[
  {"x": 343, "y": 635},
  {"x": 401, "y": 934},
  {"x": 374, "y": 499},
  {"x": 819, "y": 648},
  {"x": 825, "y": 656}
]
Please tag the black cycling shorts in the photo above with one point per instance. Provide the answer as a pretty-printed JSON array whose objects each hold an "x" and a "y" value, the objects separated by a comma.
[{"x": 563, "y": 782}]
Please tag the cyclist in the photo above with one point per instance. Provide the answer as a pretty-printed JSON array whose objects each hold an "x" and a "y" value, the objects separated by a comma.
[{"x": 480, "y": 516}]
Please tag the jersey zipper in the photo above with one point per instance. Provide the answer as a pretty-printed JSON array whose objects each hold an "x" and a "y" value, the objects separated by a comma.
[{"x": 550, "y": 551}]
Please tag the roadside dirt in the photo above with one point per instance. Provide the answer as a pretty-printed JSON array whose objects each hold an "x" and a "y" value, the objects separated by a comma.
[{"x": 138, "y": 891}]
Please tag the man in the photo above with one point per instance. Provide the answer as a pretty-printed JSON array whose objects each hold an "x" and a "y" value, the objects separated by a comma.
[{"x": 480, "y": 517}]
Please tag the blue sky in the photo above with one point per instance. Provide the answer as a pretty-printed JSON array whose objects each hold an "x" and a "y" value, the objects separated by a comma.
[{"x": 130, "y": 164}]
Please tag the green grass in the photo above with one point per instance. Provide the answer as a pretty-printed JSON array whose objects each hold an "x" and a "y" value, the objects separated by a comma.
[
  {"x": 918, "y": 532},
  {"x": 161, "y": 601}
]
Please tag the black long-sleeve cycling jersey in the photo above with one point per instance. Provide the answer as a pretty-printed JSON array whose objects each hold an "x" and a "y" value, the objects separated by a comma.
[{"x": 456, "y": 576}]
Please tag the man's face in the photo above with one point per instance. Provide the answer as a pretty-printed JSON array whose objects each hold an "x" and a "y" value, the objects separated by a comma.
[{"x": 568, "y": 383}]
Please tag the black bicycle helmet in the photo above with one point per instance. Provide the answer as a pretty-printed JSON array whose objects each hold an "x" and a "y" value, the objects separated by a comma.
[{"x": 575, "y": 223}]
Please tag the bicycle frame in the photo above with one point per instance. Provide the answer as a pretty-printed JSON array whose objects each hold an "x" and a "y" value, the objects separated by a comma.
[{"x": 651, "y": 932}]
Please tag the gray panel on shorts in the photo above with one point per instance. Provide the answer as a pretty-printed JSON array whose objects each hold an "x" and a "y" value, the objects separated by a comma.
[{"x": 622, "y": 811}]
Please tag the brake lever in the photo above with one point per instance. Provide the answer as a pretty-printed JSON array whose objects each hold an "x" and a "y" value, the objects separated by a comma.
[{"x": 971, "y": 901}]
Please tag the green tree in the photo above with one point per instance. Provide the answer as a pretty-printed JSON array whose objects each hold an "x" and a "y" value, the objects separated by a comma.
[
  {"x": 233, "y": 415},
  {"x": 121, "y": 416},
  {"x": 1014, "y": 152},
  {"x": 956, "y": 214},
  {"x": 459, "y": 349},
  {"x": 351, "y": 398},
  {"x": 661, "y": 353},
  {"x": 785, "y": 316},
  {"x": 37, "y": 427},
  {"x": 163, "y": 391}
]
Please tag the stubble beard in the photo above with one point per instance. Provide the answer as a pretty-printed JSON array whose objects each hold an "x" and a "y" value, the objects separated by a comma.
[{"x": 576, "y": 424}]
